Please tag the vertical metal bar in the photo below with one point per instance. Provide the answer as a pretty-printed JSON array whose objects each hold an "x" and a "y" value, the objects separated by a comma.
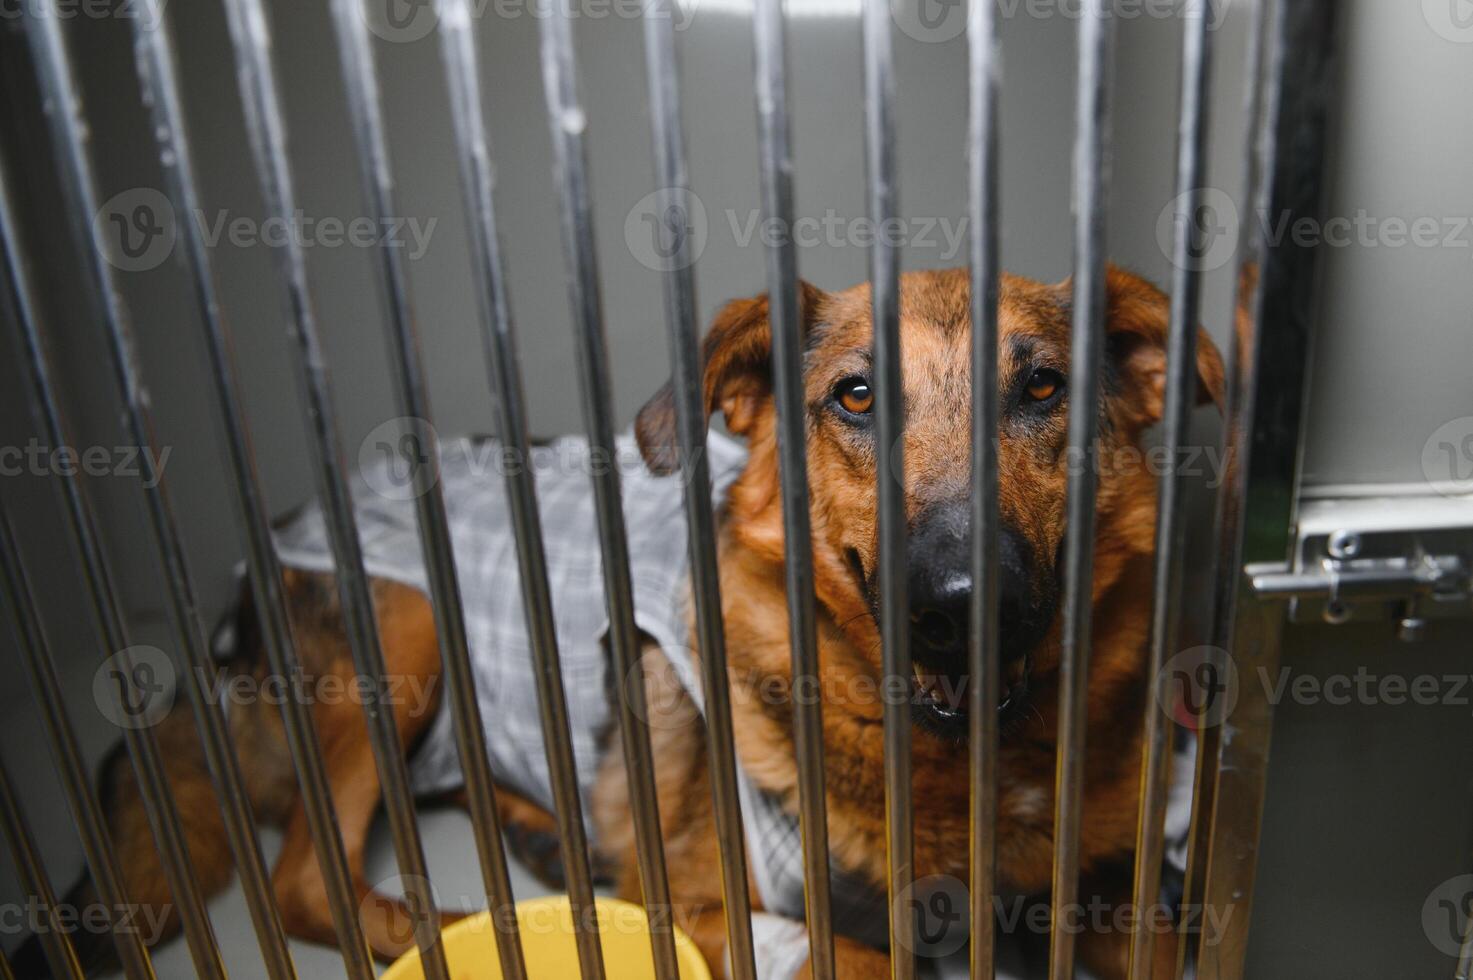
[
  {"x": 690, "y": 415},
  {"x": 463, "y": 78},
  {"x": 1227, "y": 558},
  {"x": 69, "y": 137},
  {"x": 265, "y": 128},
  {"x": 1181, "y": 391},
  {"x": 107, "y": 877},
  {"x": 568, "y": 123},
  {"x": 982, "y": 145},
  {"x": 31, "y": 872},
  {"x": 1302, "y": 66},
  {"x": 786, "y": 314},
  {"x": 158, "y": 74},
  {"x": 1465, "y": 955},
  {"x": 879, "y": 129},
  {"x": 360, "y": 79},
  {"x": 1091, "y": 187},
  {"x": 209, "y": 716}
]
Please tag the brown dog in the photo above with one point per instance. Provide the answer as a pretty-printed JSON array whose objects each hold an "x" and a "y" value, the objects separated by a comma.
[{"x": 1034, "y": 329}]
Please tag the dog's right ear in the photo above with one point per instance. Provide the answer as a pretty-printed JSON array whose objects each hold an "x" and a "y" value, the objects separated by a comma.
[{"x": 737, "y": 354}]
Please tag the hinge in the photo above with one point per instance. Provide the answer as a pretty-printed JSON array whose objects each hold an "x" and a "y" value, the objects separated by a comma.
[{"x": 1365, "y": 559}]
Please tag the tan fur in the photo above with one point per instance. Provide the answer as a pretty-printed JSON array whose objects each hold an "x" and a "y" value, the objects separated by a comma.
[{"x": 935, "y": 342}]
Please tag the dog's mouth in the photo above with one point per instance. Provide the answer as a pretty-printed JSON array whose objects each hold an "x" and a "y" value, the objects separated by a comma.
[{"x": 942, "y": 698}]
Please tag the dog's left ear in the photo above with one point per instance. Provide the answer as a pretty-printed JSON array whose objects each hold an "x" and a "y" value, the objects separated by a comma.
[
  {"x": 736, "y": 380},
  {"x": 1137, "y": 316}
]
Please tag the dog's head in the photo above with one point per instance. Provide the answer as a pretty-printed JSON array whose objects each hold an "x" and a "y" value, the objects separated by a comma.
[{"x": 1034, "y": 339}]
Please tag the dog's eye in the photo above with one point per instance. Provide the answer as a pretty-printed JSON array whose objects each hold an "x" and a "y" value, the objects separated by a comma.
[
  {"x": 1044, "y": 385},
  {"x": 855, "y": 396}
]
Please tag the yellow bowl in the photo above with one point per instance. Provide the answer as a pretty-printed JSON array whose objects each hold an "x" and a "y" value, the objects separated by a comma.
[{"x": 547, "y": 942}]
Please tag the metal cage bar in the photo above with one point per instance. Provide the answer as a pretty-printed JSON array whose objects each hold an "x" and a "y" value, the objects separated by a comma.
[
  {"x": 266, "y": 132},
  {"x": 1227, "y": 558},
  {"x": 222, "y": 762},
  {"x": 463, "y": 74},
  {"x": 158, "y": 74},
  {"x": 31, "y": 872},
  {"x": 361, "y": 81},
  {"x": 1086, "y": 354},
  {"x": 688, "y": 387},
  {"x": 69, "y": 138},
  {"x": 1276, "y": 358},
  {"x": 568, "y": 122},
  {"x": 76, "y": 782},
  {"x": 787, "y": 317},
  {"x": 884, "y": 267},
  {"x": 1180, "y": 398},
  {"x": 984, "y": 654}
]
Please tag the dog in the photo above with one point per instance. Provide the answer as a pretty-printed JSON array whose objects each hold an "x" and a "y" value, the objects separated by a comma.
[{"x": 1034, "y": 340}]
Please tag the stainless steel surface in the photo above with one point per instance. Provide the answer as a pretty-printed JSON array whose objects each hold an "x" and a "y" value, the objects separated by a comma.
[
  {"x": 687, "y": 385},
  {"x": 35, "y": 653},
  {"x": 1086, "y": 353},
  {"x": 360, "y": 77},
  {"x": 786, "y": 317},
  {"x": 69, "y": 143},
  {"x": 894, "y": 611},
  {"x": 568, "y": 122},
  {"x": 1180, "y": 397},
  {"x": 1301, "y": 65},
  {"x": 984, "y": 70},
  {"x": 61, "y": 957},
  {"x": 266, "y": 132}
]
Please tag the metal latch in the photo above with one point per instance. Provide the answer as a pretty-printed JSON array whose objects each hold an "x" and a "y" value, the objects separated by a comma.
[{"x": 1363, "y": 559}]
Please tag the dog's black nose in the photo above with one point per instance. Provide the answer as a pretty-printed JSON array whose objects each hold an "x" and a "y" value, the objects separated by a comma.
[{"x": 940, "y": 582}]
